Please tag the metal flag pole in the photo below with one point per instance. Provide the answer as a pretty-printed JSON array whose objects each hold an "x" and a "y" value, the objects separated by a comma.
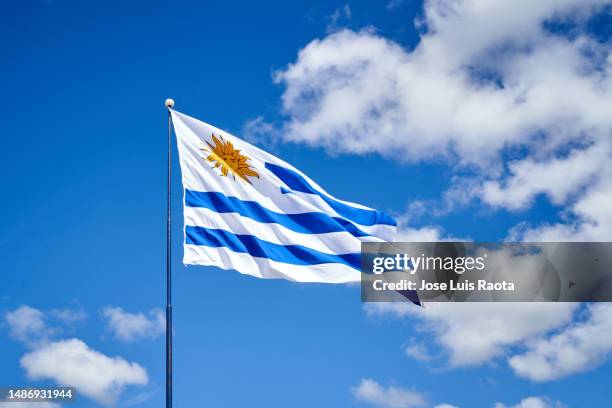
[{"x": 169, "y": 106}]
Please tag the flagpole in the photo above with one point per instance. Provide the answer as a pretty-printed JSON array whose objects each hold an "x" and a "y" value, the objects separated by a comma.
[{"x": 169, "y": 106}]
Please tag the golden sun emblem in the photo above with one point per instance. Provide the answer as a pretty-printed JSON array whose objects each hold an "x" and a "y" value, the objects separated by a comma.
[{"x": 223, "y": 155}]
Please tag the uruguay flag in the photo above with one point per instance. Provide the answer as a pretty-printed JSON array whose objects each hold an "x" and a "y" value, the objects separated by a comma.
[{"x": 249, "y": 211}]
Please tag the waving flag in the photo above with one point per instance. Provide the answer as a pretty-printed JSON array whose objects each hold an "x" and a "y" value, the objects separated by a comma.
[{"x": 249, "y": 211}]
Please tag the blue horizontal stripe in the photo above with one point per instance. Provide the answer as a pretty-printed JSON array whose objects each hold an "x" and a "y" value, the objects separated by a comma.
[
  {"x": 249, "y": 244},
  {"x": 296, "y": 182},
  {"x": 306, "y": 223}
]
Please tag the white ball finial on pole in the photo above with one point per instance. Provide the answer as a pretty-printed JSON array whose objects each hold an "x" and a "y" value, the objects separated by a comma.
[{"x": 169, "y": 103}]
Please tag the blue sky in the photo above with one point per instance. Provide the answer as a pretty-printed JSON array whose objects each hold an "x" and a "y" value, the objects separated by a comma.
[{"x": 83, "y": 220}]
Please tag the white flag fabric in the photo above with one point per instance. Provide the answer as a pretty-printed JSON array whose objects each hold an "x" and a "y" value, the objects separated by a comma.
[{"x": 249, "y": 211}]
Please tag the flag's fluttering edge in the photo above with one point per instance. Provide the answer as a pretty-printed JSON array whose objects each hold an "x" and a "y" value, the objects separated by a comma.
[{"x": 249, "y": 211}]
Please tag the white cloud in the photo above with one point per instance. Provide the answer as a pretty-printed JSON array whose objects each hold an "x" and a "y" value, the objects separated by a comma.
[
  {"x": 34, "y": 327},
  {"x": 445, "y": 406},
  {"x": 72, "y": 363},
  {"x": 358, "y": 92},
  {"x": 541, "y": 341},
  {"x": 406, "y": 233},
  {"x": 134, "y": 326},
  {"x": 418, "y": 351},
  {"x": 27, "y": 325},
  {"x": 577, "y": 348},
  {"x": 343, "y": 13},
  {"x": 431, "y": 233},
  {"x": 593, "y": 213},
  {"x": 373, "y": 393},
  {"x": 472, "y": 334},
  {"x": 69, "y": 316},
  {"x": 484, "y": 78},
  {"x": 531, "y": 402},
  {"x": 425, "y": 234},
  {"x": 558, "y": 178}
]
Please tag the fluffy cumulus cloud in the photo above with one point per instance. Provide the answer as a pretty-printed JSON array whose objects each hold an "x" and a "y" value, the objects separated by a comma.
[
  {"x": 27, "y": 325},
  {"x": 593, "y": 216},
  {"x": 472, "y": 335},
  {"x": 373, "y": 393},
  {"x": 73, "y": 363},
  {"x": 578, "y": 347},
  {"x": 34, "y": 327},
  {"x": 68, "y": 362},
  {"x": 531, "y": 402},
  {"x": 540, "y": 341},
  {"x": 134, "y": 326},
  {"x": 486, "y": 81}
]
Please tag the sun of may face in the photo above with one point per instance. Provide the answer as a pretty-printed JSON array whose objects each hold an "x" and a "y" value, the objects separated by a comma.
[{"x": 223, "y": 155}]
